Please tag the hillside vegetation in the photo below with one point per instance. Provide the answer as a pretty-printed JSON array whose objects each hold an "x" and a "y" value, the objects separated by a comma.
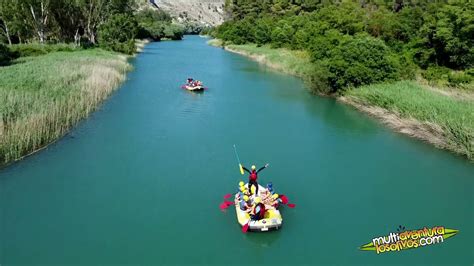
[
  {"x": 111, "y": 24},
  {"x": 355, "y": 43}
]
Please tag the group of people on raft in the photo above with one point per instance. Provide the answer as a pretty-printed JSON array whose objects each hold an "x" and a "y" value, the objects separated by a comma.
[
  {"x": 252, "y": 201},
  {"x": 193, "y": 83}
]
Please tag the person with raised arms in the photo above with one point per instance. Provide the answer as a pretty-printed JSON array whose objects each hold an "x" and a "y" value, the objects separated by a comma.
[{"x": 253, "y": 176}]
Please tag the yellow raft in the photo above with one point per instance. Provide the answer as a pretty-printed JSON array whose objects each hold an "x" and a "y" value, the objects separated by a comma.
[{"x": 271, "y": 221}]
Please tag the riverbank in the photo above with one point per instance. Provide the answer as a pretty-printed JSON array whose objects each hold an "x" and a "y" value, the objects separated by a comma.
[
  {"x": 290, "y": 62},
  {"x": 43, "y": 97},
  {"x": 417, "y": 110}
]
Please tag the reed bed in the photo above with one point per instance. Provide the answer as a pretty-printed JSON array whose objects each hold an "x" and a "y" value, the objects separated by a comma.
[
  {"x": 42, "y": 97},
  {"x": 407, "y": 99}
]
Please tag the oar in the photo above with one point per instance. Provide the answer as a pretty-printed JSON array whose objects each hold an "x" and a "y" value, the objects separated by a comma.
[
  {"x": 238, "y": 159},
  {"x": 226, "y": 204},
  {"x": 284, "y": 200},
  {"x": 245, "y": 228},
  {"x": 227, "y": 196}
]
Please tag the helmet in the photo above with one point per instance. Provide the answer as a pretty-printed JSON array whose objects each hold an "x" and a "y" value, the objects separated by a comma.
[
  {"x": 246, "y": 198},
  {"x": 242, "y": 188},
  {"x": 275, "y": 196},
  {"x": 241, "y": 183},
  {"x": 253, "y": 189},
  {"x": 257, "y": 200},
  {"x": 253, "y": 167}
]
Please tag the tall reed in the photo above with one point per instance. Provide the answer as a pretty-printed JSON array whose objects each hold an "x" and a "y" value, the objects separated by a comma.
[
  {"x": 41, "y": 98},
  {"x": 410, "y": 100}
]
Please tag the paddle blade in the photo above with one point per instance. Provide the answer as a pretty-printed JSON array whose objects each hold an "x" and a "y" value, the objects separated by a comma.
[
  {"x": 245, "y": 228},
  {"x": 284, "y": 199},
  {"x": 291, "y": 205},
  {"x": 223, "y": 206},
  {"x": 241, "y": 169},
  {"x": 227, "y": 196},
  {"x": 226, "y": 204}
]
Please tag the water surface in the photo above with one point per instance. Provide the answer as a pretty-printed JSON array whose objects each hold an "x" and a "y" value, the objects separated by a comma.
[{"x": 141, "y": 180}]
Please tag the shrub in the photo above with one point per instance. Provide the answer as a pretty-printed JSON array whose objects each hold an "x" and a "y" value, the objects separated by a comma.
[
  {"x": 358, "y": 60},
  {"x": 36, "y": 49},
  {"x": 118, "y": 34},
  {"x": 317, "y": 79},
  {"x": 173, "y": 32},
  {"x": 434, "y": 73},
  {"x": 459, "y": 77},
  {"x": 153, "y": 31},
  {"x": 157, "y": 25},
  {"x": 5, "y": 55}
]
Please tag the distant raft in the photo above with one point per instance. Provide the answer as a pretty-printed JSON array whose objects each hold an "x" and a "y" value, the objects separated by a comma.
[
  {"x": 193, "y": 85},
  {"x": 272, "y": 218},
  {"x": 193, "y": 88}
]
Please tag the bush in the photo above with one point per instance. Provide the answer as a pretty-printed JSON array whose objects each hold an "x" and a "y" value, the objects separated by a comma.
[
  {"x": 470, "y": 72},
  {"x": 36, "y": 49},
  {"x": 118, "y": 34},
  {"x": 157, "y": 25},
  {"x": 317, "y": 80},
  {"x": 357, "y": 61},
  {"x": 237, "y": 32},
  {"x": 173, "y": 32},
  {"x": 5, "y": 55},
  {"x": 153, "y": 31},
  {"x": 459, "y": 77},
  {"x": 434, "y": 73}
]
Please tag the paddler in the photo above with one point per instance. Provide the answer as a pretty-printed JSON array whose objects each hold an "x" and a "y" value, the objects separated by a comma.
[
  {"x": 253, "y": 176},
  {"x": 258, "y": 210},
  {"x": 245, "y": 203}
]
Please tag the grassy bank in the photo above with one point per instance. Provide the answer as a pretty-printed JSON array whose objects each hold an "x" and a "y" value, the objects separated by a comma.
[
  {"x": 435, "y": 115},
  {"x": 42, "y": 97},
  {"x": 445, "y": 121},
  {"x": 291, "y": 62}
]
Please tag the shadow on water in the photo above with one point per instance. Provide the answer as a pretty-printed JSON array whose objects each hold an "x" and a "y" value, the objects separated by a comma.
[
  {"x": 324, "y": 108},
  {"x": 329, "y": 111}
]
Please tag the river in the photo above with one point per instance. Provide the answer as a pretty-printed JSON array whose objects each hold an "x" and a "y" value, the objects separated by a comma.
[{"x": 140, "y": 181}]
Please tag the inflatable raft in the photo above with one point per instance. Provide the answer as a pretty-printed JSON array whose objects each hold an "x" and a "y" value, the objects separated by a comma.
[
  {"x": 193, "y": 88},
  {"x": 271, "y": 221}
]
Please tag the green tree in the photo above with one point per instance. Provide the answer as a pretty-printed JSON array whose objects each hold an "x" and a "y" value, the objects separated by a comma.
[
  {"x": 173, "y": 32},
  {"x": 7, "y": 18},
  {"x": 360, "y": 60},
  {"x": 118, "y": 33}
]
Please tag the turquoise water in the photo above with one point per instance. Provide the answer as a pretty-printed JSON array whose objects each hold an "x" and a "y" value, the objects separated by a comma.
[{"x": 141, "y": 180}]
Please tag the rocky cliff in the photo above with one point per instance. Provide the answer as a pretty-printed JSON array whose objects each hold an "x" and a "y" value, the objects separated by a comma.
[{"x": 205, "y": 12}]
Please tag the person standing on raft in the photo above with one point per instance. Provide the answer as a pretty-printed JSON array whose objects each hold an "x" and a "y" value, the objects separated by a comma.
[{"x": 253, "y": 176}]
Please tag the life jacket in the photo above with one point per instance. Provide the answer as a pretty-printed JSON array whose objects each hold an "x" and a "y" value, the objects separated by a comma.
[
  {"x": 261, "y": 212},
  {"x": 253, "y": 175}
]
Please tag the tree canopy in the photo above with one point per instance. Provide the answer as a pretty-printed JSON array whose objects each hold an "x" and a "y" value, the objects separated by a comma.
[
  {"x": 353, "y": 38},
  {"x": 82, "y": 22}
]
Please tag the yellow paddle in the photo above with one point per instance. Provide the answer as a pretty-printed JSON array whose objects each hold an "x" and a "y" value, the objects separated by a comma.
[{"x": 238, "y": 159}]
